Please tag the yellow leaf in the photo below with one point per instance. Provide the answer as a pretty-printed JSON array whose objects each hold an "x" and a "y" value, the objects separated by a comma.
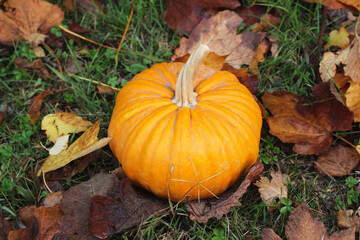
[
  {"x": 63, "y": 123},
  {"x": 353, "y": 99},
  {"x": 85, "y": 144},
  {"x": 338, "y": 38}
]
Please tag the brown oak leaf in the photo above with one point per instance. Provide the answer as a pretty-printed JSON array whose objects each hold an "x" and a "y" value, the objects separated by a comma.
[
  {"x": 219, "y": 34},
  {"x": 124, "y": 207},
  {"x": 276, "y": 188},
  {"x": 338, "y": 161},
  {"x": 27, "y": 19},
  {"x": 184, "y": 15},
  {"x": 35, "y": 106},
  {"x": 204, "y": 210},
  {"x": 308, "y": 125},
  {"x": 303, "y": 225}
]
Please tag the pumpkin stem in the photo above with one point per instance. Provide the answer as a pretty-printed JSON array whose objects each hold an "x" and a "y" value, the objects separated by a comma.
[{"x": 184, "y": 91}]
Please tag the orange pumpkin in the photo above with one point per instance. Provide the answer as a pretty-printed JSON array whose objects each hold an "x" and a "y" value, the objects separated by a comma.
[{"x": 193, "y": 145}]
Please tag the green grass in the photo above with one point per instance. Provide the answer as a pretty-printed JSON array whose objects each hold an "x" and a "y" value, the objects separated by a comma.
[{"x": 147, "y": 42}]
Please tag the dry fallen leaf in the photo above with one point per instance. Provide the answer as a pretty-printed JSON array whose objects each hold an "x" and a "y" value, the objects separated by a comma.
[
  {"x": 338, "y": 38},
  {"x": 6, "y": 227},
  {"x": 350, "y": 59},
  {"x": 65, "y": 214},
  {"x": 276, "y": 188},
  {"x": 352, "y": 3},
  {"x": 42, "y": 224},
  {"x": 346, "y": 219},
  {"x": 3, "y": 113},
  {"x": 202, "y": 211},
  {"x": 338, "y": 161},
  {"x": 331, "y": 4},
  {"x": 184, "y": 15},
  {"x": 37, "y": 65},
  {"x": 261, "y": 50},
  {"x": 85, "y": 144},
  {"x": 303, "y": 225},
  {"x": 63, "y": 123},
  {"x": 124, "y": 207},
  {"x": 105, "y": 90},
  {"x": 88, "y": 5},
  {"x": 74, "y": 167},
  {"x": 76, "y": 203},
  {"x": 308, "y": 125},
  {"x": 352, "y": 96},
  {"x": 269, "y": 234},
  {"x": 219, "y": 34},
  {"x": 27, "y": 19},
  {"x": 60, "y": 145},
  {"x": 251, "y": 82},
  {"x": 35, "y": 106},
  {"x": 267, "y": 22}
]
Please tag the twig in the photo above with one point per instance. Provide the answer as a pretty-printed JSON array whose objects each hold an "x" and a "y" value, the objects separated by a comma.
[
  {"x": 93, "y": 81},
  {"x": 126, "y": 29}
]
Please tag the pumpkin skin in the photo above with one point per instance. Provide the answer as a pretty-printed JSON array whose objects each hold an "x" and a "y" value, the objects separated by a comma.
[{"x": 187, "y": 152}]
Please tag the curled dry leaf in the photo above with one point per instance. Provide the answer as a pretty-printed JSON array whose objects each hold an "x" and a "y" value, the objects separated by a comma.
[
  {"x": 276, "y": 188},
  {"x": 85, "y": 144},
  {"x": 124, "y": 207},
  {"x": 63, "y": 123},
  {"x": 202, "y": 211},
  {"x": 219, "y": 34},
  {"x": 261, "y": 50},
  {"x": 44, "y": 224},
  {"x": 23, "y": 18},
  {"x": 350, "y": 59},
  {"x": 35, "y": 106},
  {"x": 338, "y": 38},
  {"x": 184, "y": 15},
  {"x": 338, "y": 161},
  {"x": 308, "y": 125}
]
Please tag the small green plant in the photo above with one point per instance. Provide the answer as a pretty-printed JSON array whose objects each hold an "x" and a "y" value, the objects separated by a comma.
[
  {"x": 24, "y": 50},
  {"x": 219, "y": 234},
  {"x": 68, "y": 97},
  {"x": 352, "y": 195},
  {"x": 287, "y": 208},
  {"x": 268, "y": 151}
]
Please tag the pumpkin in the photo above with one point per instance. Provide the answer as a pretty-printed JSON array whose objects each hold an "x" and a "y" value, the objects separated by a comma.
[{"x": 185, "y": 131}]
